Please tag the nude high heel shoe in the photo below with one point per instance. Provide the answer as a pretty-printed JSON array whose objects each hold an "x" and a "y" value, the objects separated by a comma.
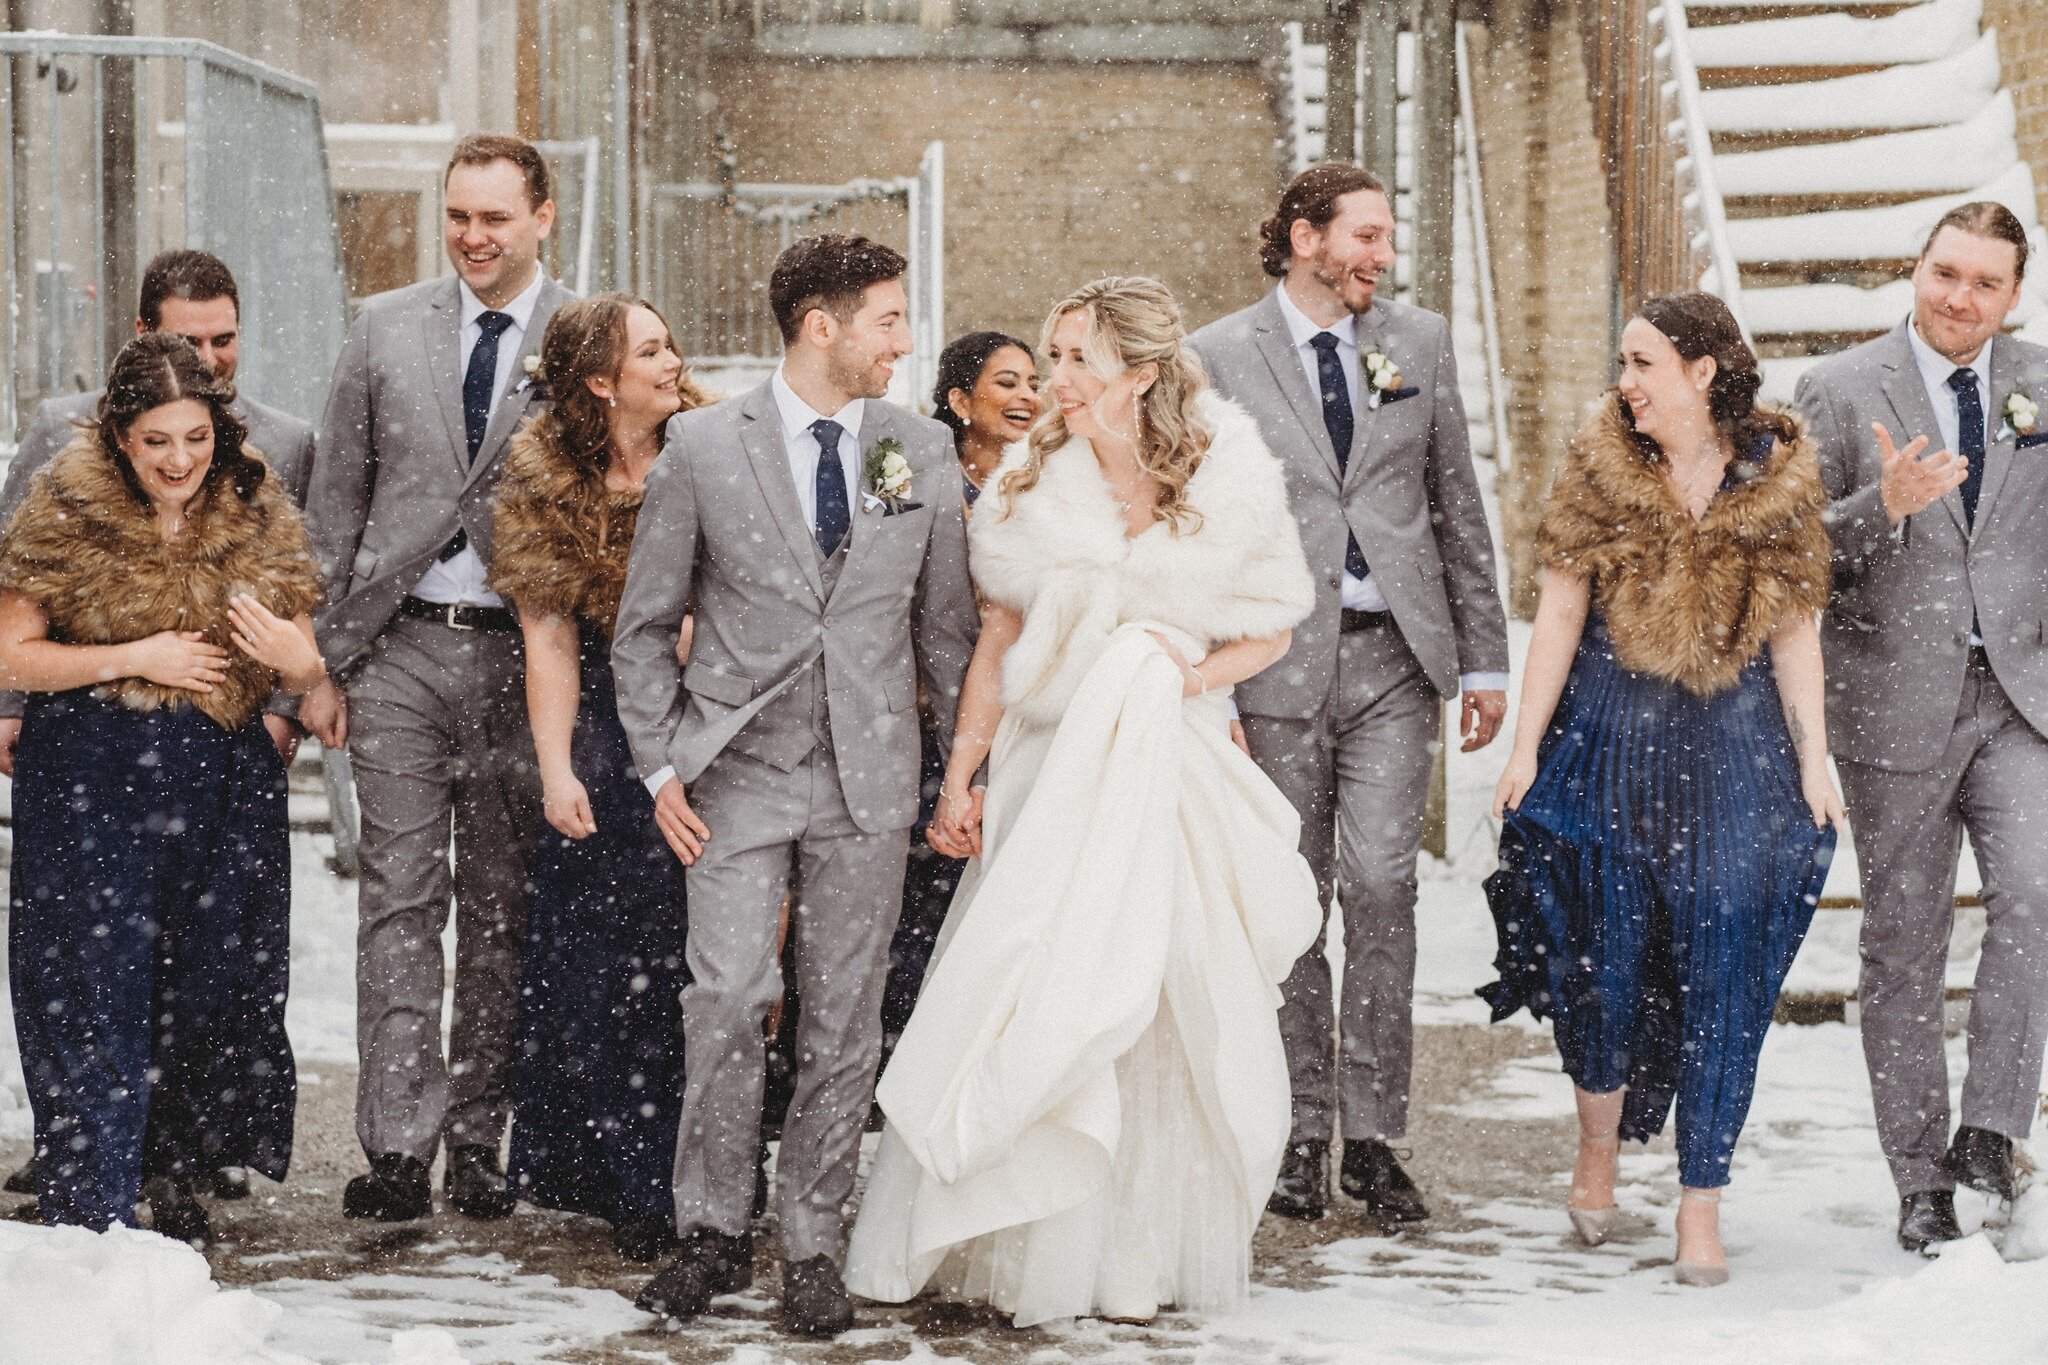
[
  {"x": 1594, "y": 1225},
  {"x": 1694, "y": 1273}
]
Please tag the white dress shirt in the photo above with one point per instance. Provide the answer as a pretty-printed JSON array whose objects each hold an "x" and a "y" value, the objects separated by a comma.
[
  {"x": 461, "y": 578},
  {"x": 800, "y": 448},
  {"x": 1357, "y": 594}
]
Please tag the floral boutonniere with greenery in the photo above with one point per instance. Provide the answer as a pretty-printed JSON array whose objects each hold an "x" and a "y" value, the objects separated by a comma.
[
  {"x": 886, "y": 477},
  {"x": 532, "y": 378},
  {"x": 1383, "y": 379}
]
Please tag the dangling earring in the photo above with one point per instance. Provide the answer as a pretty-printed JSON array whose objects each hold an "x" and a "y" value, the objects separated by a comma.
[
  {"x": 613, "y": 400},
  {"x": 1137, "y": 415}
]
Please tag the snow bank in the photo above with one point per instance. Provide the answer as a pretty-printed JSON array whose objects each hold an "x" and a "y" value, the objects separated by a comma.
[
  {"x": 124, "y": 1297},
  {"x": 1916, "y": 95},
  {"x": 1955, "y": 157},
  {"x": 1936, "y": 29}
]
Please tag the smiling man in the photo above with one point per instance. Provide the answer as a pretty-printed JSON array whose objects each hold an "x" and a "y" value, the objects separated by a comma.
[
  {"x": 1938, "y": 698},
  {"x": 1358, "y": 395},
  {"x": 429, "y": 388}
]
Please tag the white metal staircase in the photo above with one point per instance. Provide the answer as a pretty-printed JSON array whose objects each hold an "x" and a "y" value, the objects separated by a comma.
[{"x": 1840, "y": 132}]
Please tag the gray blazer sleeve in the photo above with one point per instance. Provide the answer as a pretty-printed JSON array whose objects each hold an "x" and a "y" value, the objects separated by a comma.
[
  {"x": 659, "y": 577},
  {"x": 1858, "y": 527},
  {"x": 342, "y": 469},
  {"x": 944, "y": 618},
  {"x": 42, "y": 442},
  {"x": 1478, "y": 621}
]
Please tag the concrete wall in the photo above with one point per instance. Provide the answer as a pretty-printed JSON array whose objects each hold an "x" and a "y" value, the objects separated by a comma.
[
  {"x": 1056, "y": 173},
  {"x": 1546, "y": 204}
]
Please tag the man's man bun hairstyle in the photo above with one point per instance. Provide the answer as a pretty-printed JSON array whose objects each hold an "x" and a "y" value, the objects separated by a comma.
[
  {"x": 183, "y": 274},
  {"x": 1311, "y": 196},
  {"x": 481, "y": 149},
  {"x": 830, "y": 271},
  {"x": 1986, "y": 218}
]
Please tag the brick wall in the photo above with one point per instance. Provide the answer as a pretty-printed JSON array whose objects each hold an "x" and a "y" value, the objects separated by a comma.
[
  {"x": 1546, "y": 204},
  {"x": 2022, "y": 27},
  {"x": 1055, "y": 173}
]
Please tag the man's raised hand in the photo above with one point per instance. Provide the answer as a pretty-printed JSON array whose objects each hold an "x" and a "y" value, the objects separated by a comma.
[{"x": 1906, "y": 482}]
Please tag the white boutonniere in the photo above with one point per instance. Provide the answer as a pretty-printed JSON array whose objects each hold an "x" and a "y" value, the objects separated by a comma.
[
  {"x": 530, "y": 364},
  {"x": 2022, "y": 414},
  {"x": 886, "y": 475},
  {"x": 1382, "y": 375}
]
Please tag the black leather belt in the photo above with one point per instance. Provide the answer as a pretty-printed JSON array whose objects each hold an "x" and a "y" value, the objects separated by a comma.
[
  {"x": 1363, "y": 620},
  {"x": 460, "y": 617}
]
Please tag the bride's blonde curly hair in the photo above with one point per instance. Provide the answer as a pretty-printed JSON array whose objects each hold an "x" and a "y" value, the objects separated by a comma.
[{"x": 1133, "y": 321}]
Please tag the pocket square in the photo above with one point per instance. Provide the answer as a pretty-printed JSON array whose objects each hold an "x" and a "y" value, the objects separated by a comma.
[
  {"x": 901, "y": 507},
  {"x": 1396, "y": 395},
  {"x": 2030, "y": 440}
]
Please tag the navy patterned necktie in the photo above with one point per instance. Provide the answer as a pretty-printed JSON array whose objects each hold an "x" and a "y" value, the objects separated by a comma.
[
  {"x": 835, "y": 513},
  {"x": 481, "y": 380},
  {"x": 1970, "y": 436},
  {"x": 1337, "y": 418}
]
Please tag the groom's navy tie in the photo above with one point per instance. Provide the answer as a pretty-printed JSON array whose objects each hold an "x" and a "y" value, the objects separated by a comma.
[
  {"x": 1338, "y": 419},
  {"x": 478, "y": 383},
  {"x": 1970, "y": 436},
  {"x": 835, "y": 513}
]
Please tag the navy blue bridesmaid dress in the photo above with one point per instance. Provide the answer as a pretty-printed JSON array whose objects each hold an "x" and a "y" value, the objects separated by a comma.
[
  {"x": 148, "y": 949},
  {"x": 1653, "y": 888},
  {"x": 598, "y": 1078}
]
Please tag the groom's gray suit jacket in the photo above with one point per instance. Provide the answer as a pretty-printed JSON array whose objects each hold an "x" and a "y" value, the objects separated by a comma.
[{"x": 722, "y": 533}]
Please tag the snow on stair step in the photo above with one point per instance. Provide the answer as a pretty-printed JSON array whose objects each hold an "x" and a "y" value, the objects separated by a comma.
[
  {"x": 1917, "y": 94},
  {"x": 1929, "y": 160},
  {"x": 1841, "y": 308},
  {"x": 1896, "y": 232},
  {"x": 1928, "y": 31}
]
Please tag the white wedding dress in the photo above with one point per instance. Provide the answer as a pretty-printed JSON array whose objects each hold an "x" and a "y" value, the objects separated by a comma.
[{"x": 1089, "y": 1105}]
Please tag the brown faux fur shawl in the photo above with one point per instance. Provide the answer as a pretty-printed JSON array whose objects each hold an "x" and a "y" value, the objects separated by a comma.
[
  {"x": 1691, "y": 602},
  {"x": 89, "y": 554},
  {"x": 560, "y": 537}
]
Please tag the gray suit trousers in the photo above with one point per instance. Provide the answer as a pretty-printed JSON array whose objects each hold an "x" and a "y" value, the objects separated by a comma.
[
  {"x": 439, "y": 740},
  {"x": 767, "y": 829},
  {"x": 1909, "y": 829},
  {"x": 1359, "y": 776}
]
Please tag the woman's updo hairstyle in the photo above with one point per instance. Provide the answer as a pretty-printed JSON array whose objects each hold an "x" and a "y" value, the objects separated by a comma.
[
  {"x": 1699, "y": 324},
  {"x": 585, "y": 340},
  {"x": 960, "y": 367},
  {"x": 162, "y": 367},
  {"x": 1132, "y": 321}
]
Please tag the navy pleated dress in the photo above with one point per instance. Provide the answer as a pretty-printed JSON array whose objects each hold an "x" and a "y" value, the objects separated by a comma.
[
  {"x": 148, "y": 949},
  {"x": 1663, "y": 868},
  {"x": 598, "y": 1081}
]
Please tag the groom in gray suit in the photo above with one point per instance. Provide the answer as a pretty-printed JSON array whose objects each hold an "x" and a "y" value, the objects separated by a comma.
[
  {"x": 1358, "y": 395},
  {"x": 819, "y": 533},
  {"x": 1937, "y": 659},
  {"x": 430, "y": 386}
]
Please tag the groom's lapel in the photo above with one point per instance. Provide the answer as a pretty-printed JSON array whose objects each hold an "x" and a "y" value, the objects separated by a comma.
[
  {"x": 761, "y": 438},
  {"x": 875, "y": 427},
  {"x": 1906, "y": 391},
  {"x": 441, "y": 331}
]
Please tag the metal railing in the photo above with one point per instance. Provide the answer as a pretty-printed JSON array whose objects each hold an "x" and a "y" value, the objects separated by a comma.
[
  {"x": 1482, "y": 252},
  {"x": 187, "y": 144},
  {"x": 1705, "y": 211}
]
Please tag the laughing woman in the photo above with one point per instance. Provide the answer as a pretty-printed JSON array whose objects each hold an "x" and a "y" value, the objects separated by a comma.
[
  {"x": 598, "y": 1079},
  {"x": 154, "y": 590}
]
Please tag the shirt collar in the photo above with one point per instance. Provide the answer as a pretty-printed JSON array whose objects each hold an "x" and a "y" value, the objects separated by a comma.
[
  {"x": 520, "y": 309},
  {"x": 1300, "y": 328},
  {"x": 797, "y": 415},
  {"x": 1935, "y": 367}
]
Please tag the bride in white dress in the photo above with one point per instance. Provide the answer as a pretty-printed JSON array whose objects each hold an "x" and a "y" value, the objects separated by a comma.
[{"x": 1089, "y": 1105}]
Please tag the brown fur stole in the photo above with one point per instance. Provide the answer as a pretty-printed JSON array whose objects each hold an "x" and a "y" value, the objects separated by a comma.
[
  {"x": 1690, "y": 602},
  {"x": 89, "y": 553},
  {"x": 561, "y": 538}
]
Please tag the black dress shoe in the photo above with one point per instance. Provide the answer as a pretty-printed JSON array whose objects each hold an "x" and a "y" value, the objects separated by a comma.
[
  {"x": 24, "y": 1180},
  {"x": 709, "y": 1264},
  {"x": 644, "y": 1240},
  {"x": 1927, "y": 1217},
  {"x": 1373, "y": 1175},
  {"x": 476, "y": 1183},
  {"x": 229, "y": 1182},
  {"x": 814, "y": 1302},
  {"x": 1982, "y": 1160},
  {"x": 396, "y": 1190},
  {"x": 1303, "y": 1189},
  {"x": 174, "y": 1212}
]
